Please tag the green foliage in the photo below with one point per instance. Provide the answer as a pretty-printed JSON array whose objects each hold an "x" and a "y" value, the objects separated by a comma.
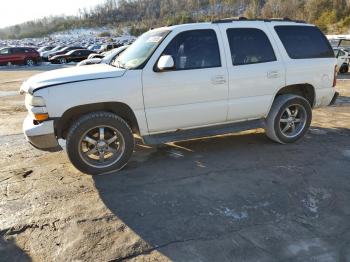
[
  {"x": 104, "y": 34},
  {"x": 326, "y": 19}
]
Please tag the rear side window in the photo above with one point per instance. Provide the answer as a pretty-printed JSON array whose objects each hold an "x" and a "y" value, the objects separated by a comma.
[
  {"x": 302, "y": 42},
  {"x": 249, "y": 46},
  {"x": 195, "y": 49}
]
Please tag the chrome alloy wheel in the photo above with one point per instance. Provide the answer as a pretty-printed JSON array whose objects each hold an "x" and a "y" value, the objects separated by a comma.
[
  {"x": 30, "y": 62},
  {"x": 293, "y": 121},
  {"x": 101, "y": 146}
]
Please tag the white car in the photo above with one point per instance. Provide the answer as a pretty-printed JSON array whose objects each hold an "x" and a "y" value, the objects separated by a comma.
[
  {"x": 182, "y": 82},
  {"x": 109, "y": 57},
  {"x": 342, "y": 60},
  {"x": 44, "y": 55}
]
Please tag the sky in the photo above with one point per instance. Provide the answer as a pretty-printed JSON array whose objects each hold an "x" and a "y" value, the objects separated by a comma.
[{"x": 18, "y": 11}]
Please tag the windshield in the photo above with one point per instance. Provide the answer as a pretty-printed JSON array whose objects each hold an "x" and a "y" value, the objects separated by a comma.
[{"x": 141, "y": 49}]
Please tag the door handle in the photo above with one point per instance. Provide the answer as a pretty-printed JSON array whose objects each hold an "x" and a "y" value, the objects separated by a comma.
[
  {"x": 273, "y": 74},
  {"x": 218, "y": 80}
]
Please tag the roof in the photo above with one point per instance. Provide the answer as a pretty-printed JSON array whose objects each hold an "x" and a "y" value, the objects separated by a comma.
[
  {"x": 242, "y": 18},
  {"x": 236, "y": 20}
]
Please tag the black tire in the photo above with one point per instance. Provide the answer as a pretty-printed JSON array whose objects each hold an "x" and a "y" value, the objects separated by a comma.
[
  {"x": 63, "y": 61},
  {"x": 276, "y": 120},
  {"x": 344, "y": 69},
  {"x": 75, "y": 141}
]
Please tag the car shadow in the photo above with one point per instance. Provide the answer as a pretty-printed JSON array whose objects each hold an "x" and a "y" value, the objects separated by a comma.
[
  {"x": 9, "y": 251},
  {"x": 217, "y": 198}
]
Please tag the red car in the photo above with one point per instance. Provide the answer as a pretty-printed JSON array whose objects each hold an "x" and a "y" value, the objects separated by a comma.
[{"x": 19, "y": 55}]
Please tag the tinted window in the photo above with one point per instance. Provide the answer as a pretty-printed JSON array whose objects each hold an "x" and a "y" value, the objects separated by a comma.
[
  {"x": 194, "y": 49},
  {"x": 5, "y": 51},
  {"x": 249, "y": 46},
  {"x": 304, "y": 42}
]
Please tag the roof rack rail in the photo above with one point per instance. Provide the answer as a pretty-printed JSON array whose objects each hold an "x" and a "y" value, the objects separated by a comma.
[{"x": 242, "y": 18}]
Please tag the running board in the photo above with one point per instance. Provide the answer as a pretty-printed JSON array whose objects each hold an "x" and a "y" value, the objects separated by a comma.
[{"x": 188, "y": 134}]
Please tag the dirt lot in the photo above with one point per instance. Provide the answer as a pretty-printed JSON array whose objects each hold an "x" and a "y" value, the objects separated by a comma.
[{"x": 238, "y": 197}]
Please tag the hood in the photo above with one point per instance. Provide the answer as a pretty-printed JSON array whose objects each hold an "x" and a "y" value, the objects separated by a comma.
[{"x": 70, "y": 75}]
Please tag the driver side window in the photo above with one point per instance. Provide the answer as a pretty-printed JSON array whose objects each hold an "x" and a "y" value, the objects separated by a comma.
[{"x": 194, "y": 49}]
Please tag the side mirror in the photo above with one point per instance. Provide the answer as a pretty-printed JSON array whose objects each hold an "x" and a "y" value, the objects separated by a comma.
[{"x": 166, "y": 63}]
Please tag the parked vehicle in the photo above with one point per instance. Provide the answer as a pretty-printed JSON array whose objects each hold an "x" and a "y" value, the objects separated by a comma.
[
  {"x": 19, "y": 55},
  {"x": 44, "y": 55},
  {"x": 97, "y": 55},
  {"x": 342, "y": 60},
  {"x": 94, "y": 47},
  {"x": 45, "y": 48},
  {"x": 108, "y": 47},
  {"x": 183, "y": 82},
  {"x": 107, "y": 59},
  {"x": 72, "y": 56},
  {"x": 63, "y": 51}
]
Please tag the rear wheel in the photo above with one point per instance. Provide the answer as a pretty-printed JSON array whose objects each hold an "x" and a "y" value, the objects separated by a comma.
[
  {"x": 100, "y": 142},
  {"x": 344, "y": 69},
  {"x": 289, "y": 119}
]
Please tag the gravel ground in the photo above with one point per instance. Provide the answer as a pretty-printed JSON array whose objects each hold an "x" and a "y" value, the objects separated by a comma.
[{"x": 237, "y": 197}]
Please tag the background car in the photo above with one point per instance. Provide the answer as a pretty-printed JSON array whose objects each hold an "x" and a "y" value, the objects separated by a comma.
[
  {"x": 94, "y": 47},
  {"x": 44, "y": 55},
  {"x": 109, "y": 46},
  {"x": 72, "y": 56},
  {"x": 19, "y": 55},
  {"x": 107, "y": 59},
  {"x": 45, "y": 48},
  {"x": 342, "y": 60},
  {"x": 64, "y": 51}
]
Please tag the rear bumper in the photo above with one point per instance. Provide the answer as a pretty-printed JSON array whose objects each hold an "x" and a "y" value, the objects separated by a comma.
[
  {"x": 324, "y": 96},
  {"x": 41, "y": 136}
]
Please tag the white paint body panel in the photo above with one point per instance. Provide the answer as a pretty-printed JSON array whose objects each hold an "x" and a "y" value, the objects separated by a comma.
[{"x": 168, "y": 101}]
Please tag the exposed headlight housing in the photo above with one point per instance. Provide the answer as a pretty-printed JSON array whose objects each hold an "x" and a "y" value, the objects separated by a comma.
[{"x": 34, "y": 100}]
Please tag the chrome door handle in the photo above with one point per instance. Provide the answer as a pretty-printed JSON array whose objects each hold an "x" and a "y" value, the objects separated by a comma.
[
  {"x": 273, "y": 74},
  {"x": 218, "y": 80}
]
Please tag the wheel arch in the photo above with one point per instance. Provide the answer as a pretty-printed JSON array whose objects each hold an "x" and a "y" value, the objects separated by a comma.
[
  {"x": 63, "y": 123},
  {"x": 305, "y": 90}
]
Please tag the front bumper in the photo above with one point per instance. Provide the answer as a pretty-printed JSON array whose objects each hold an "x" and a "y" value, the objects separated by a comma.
[{"x": 41, "y": 136}]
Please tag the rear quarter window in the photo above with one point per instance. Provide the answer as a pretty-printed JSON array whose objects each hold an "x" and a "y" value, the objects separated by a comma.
[{"x": 303, "y": 42}]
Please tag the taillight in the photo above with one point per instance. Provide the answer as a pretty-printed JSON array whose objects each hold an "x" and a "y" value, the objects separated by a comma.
[{"x": 335, "y": 76}]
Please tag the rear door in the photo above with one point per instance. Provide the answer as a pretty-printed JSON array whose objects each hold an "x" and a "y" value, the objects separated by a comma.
[
  {"x": 255, "y": 69},
  {"x": 308, "y": 56}
]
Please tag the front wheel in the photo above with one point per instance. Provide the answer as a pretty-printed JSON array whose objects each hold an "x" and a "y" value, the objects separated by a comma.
[
  {"x": 100, "y": 142},
  {"x": 289, "y": 119},
  {"x": 63, "y": 60},
  {"x": 29, "y": 62}
]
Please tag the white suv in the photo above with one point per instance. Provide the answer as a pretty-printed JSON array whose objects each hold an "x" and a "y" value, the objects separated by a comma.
[{"x": 183, "y": 82}]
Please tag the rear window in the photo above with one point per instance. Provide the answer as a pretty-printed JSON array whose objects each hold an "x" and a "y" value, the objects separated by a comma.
[{"x": 302, "y": 42}]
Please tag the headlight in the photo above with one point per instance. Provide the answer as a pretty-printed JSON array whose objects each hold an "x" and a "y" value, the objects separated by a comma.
[{"x": 34, "y": 100}]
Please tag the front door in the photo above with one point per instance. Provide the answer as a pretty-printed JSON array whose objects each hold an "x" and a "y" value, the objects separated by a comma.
[
  {"x": 5, "y": 55},
  {"x": 195, "y": 93}
]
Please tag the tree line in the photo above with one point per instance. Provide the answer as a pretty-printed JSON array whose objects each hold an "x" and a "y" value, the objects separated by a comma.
[{"x": 332, "y": 16}]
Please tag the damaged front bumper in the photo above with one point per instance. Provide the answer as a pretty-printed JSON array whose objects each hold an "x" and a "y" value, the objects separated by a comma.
[{"x": 41, "y": 135}]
